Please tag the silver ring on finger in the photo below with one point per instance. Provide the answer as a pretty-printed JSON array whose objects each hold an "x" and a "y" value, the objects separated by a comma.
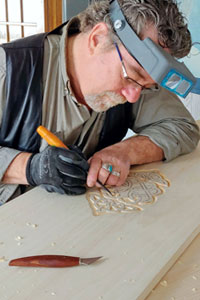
[
  {"x": 115, "y": 173},
  {"x": 108, "y": 167}
]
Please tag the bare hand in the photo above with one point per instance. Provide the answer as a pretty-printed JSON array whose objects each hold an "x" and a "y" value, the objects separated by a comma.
[{"x": 115, "y": 155}]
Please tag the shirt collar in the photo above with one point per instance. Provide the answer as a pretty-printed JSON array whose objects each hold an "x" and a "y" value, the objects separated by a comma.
[{"x": 70, "y": 28}]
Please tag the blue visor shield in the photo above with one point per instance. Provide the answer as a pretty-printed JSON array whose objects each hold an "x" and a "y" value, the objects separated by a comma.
[{"x": 177, "y": 83}]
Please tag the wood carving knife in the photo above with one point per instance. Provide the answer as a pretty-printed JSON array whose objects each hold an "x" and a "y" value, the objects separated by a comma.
[
  {"x": 53, "y": 140},
  {"x": 52, "y": 261}
]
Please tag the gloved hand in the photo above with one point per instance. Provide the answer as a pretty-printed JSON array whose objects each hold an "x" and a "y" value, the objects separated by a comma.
[{"x": 58, "y": 170}]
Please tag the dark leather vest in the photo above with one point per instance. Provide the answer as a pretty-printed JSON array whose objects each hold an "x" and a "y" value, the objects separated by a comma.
[
  {"x": 117, "y": 121},
  {"x": 23, "y": 106},
  {"x": 23, "y": 109}
]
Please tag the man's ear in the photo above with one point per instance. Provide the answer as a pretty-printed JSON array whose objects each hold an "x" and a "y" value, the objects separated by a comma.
[{"x": 98, "y": 37}]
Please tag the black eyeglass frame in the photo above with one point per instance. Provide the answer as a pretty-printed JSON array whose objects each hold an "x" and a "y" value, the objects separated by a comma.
[{"x": 144, "y": 90}]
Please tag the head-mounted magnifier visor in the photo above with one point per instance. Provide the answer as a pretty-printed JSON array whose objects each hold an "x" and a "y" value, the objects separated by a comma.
[{"x": 160, "y": 65}]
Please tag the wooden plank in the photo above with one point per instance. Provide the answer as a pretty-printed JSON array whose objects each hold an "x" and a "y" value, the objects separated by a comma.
[
  {"x": 182, "y": 281},
  {"x": 138, "y": 248}
]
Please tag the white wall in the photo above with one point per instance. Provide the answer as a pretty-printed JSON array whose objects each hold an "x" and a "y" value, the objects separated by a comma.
[{"x": 192, "y": 103}]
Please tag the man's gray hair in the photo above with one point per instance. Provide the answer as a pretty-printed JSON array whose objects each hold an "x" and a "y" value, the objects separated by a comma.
[{"x": 171, "y": 25}]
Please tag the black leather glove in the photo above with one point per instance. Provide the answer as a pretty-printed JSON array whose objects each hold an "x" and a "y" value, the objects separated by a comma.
[{"x": 58, "y": 170}]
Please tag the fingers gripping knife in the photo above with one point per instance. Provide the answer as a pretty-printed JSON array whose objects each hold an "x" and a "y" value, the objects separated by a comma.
[
  {"x": 52, "y": 261},
  {"x": 53, "y": 140}
]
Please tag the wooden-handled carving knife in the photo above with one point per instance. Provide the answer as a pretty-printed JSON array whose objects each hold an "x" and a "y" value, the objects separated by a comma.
[{"x": 52, "y": 261}]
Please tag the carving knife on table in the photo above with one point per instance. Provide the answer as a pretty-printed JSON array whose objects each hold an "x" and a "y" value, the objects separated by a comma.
[
  {"x": 53, "y": 140},
  {"x": 52, "y": 261}
]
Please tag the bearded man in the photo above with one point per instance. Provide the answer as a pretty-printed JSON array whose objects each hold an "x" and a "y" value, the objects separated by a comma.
[{"x": 83, "y": 84}]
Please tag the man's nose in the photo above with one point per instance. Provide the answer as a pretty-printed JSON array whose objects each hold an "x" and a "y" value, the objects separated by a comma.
[{"x": 132, "y": 94}]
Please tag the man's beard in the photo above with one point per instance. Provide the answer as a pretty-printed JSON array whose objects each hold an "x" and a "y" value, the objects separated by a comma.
[{"x": 104, "y": 101}]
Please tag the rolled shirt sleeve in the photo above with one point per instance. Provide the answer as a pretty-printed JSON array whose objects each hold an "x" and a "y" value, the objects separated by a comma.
[
  {"x": 6, "y": 157},
  {"x": 6, "y": 154},
  {"x": 163, "y": 118}
]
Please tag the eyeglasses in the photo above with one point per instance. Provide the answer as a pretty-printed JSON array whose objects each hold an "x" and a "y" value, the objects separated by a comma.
[{"x": 144, "y": 90}]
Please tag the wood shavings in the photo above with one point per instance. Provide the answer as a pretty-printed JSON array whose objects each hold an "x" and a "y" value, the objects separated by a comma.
[
  {"x": 164, "y": 283},
  {"x": 2, "y": 259},
  {"x": 32, "y": 225},
  {"x": 18, "y": 238},
  {"x": 131, "y": 280},
  {"x": 141, "y": 188}
]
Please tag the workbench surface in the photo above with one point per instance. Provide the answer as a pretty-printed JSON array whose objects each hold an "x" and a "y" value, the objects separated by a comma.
[{"x": 138, "y": 248}]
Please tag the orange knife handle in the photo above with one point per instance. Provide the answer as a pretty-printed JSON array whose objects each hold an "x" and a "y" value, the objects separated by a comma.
[
  {"x": 47, "y": 261},
  {"x": 50, "y": 138}
]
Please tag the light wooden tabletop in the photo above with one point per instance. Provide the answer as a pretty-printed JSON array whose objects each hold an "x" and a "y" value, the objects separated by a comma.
[
  {"x": 138, "y": 248},
  {"x": 182, "y": 281}
]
